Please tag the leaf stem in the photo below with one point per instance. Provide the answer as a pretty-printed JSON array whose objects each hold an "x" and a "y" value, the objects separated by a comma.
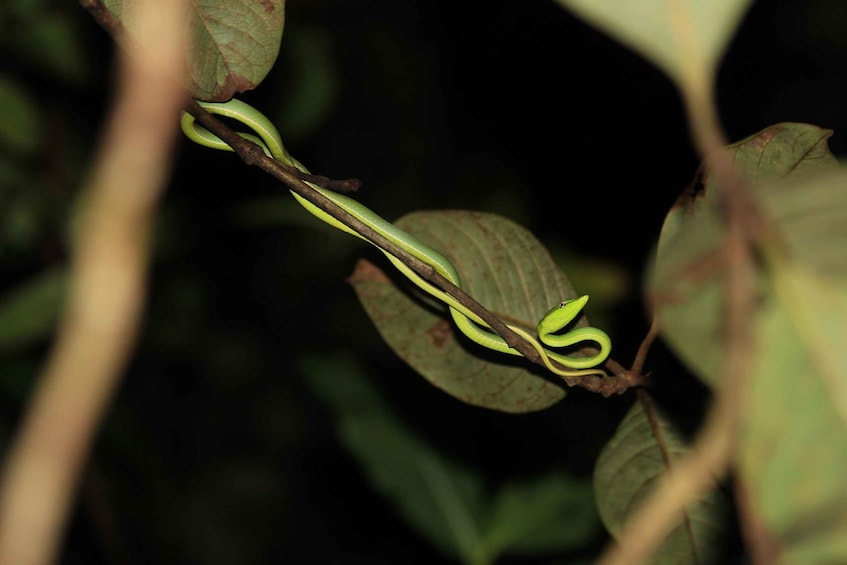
[{"x": 644, "y": 348}]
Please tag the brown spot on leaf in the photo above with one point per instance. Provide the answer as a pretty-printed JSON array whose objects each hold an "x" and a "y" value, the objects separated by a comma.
[
  {"x": 366, "y": 272},
  {"x": 695, "y": 190},
  {"x": 230, "y": 87},
  {"x": 440, "y": 333},
  {"x": 268, "y": 5},
  {"x": 235, "y": 84},
  {"x": 764, "y": 137}
]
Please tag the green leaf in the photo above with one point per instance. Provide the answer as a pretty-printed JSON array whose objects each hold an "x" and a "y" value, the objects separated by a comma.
[
  {"x": 671, "y": 34},
  {"x": 20, "y": 120},
  {"x": 784, "y": 150},
  {"x": 793, "y": 445},
  {"x": 29, "y": 312},
  {"x": 643, "y": 449},
  {"x": 234, "y": 43},
  {"x": 503, "y": 267},
  {"x": 439, "y": 497},
  {"x": 818, "y": 309},
  {"x": 686, "y": 282},
  {"x": 793, "y": 449},
  {"x": 550, "y": 514}
]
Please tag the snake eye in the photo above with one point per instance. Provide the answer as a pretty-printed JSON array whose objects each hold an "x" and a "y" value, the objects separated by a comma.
[{"x": 562, "y": 303}]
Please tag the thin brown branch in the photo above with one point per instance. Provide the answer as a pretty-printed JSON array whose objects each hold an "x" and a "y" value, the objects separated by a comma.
[
  {"x": 108, "y": 264},
  {"x": 644, "y": 348},
  {"x": 343, "y": 186}
]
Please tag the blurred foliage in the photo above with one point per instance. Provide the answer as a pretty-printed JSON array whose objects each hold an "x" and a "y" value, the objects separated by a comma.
[
  {"x": 47, "y": 38},
  {"x": 29, "y": 314},
  {"x": 798, "y": 327},
  {"x": 627, "y": 472},
  {"x": 448, "y": 503},
  {"x": 227, "y": 441}
]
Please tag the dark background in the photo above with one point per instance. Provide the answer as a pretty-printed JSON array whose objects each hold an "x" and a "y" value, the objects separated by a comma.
[{"x": 507, "y": 106}]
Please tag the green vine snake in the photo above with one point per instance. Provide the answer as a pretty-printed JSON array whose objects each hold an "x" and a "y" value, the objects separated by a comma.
[{"x": 266, "y": 136}]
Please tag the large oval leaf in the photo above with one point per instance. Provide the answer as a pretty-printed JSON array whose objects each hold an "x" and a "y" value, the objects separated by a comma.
[
  {"x": 509, "y": 272},
  {"x": 793, "y": 445},
  {"x": 793, "y": 449},
  {"x": 233, "y": 43},
  {"x": 644, "y": 449},
  {"x": 686, "y": 282},
  {"x": 674, "y": 35}
]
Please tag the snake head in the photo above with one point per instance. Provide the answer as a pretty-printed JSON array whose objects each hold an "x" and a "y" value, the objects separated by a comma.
[{"x": 560, "y": 316}]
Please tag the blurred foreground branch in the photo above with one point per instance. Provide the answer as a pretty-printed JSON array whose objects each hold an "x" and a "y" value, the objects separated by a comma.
[{"x": 109, "y": 268}]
